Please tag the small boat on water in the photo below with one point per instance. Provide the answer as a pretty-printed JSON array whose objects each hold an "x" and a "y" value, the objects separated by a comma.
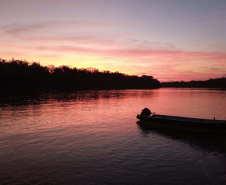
[{"x": 147, "y": 119}]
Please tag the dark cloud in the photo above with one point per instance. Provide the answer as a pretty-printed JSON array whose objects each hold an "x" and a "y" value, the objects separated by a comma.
[
  {"x": 24, "y": 28},
  {"x": 217, "y": 68}
]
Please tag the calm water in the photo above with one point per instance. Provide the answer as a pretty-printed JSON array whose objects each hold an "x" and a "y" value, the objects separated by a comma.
[{"x": 93, "y": 138}]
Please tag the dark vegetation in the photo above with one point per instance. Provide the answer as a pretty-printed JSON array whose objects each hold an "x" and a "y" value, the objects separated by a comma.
[
  {"x": 211, "y": 83},
  {"x": 17, "y": 75}
]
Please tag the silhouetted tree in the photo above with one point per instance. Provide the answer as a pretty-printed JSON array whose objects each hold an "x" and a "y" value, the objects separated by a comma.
[
  {"x": 16, "y": 75},
  {"x": 211, "y": 83}
]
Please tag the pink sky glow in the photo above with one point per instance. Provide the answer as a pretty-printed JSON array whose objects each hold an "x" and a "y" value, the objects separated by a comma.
[{"x": 170, "y": 41}]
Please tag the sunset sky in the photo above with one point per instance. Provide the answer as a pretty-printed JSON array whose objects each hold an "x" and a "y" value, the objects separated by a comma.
[{"x": 168, "y": 39}]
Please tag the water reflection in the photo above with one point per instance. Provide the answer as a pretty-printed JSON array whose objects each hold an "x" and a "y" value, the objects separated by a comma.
[
  {"x": 42, "y": 98},
  {"x": 91, "y": 137},
  {"x": 207, "y": 142}
]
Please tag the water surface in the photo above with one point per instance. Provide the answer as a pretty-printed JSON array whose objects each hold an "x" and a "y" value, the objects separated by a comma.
[{"x": 92, "y": 137}]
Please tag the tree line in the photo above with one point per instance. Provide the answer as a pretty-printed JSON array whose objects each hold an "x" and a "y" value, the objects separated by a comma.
[
  {"x": 18, "y": 75},
  {"x": 211, "y": 83}
]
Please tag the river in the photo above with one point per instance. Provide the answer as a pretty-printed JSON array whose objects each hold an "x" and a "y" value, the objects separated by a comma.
[{"x": 92, "y": 137}]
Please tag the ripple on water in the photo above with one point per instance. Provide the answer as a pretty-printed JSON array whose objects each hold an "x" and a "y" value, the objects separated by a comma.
[{"x": 92, "y": 138}]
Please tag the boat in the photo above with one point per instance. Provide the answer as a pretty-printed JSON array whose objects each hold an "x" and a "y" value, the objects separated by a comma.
[{"x": 148, "y": 119}]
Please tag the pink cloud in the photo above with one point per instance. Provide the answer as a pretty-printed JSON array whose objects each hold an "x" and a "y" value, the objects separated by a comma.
[
  {"x": 164, "y": 54},
  {"x": 165, "y": 61},
  {"x": 97, "y": 43}
]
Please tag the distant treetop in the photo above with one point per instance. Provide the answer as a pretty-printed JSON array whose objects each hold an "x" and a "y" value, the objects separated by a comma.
[{"x": 211, "y": 83}]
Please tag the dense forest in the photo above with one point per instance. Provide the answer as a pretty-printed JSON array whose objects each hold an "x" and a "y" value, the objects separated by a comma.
[
  {"x": 211, "y": 83},
  {"x": 17, "y": 75}
]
